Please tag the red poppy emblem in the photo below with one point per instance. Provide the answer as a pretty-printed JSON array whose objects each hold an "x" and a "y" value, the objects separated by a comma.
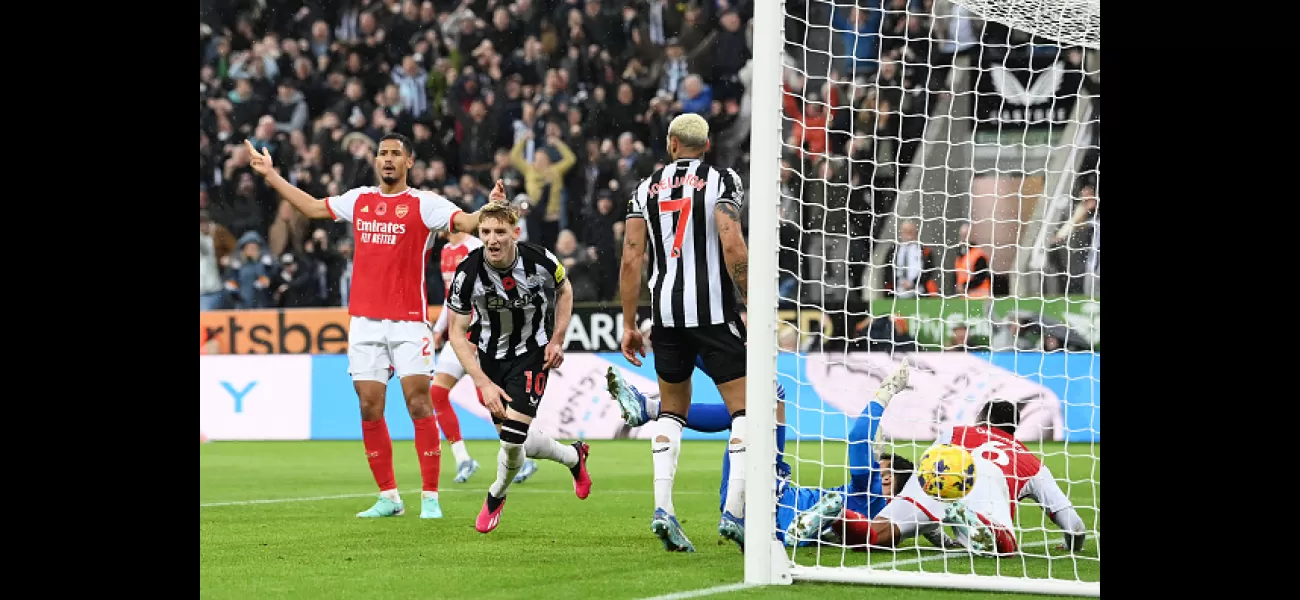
[{"x": 508, "y": 283}]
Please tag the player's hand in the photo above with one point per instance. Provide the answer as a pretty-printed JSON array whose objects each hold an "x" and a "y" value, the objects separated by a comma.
[
  {"x": 261, "y": 162},
  {"x": 633, "y": 344},
  {"x": 494, "y": 399},
  {"x": 554, "y": 356},
  {"x": 439, "y": 338},
  {"x": 498, "y": 193}
]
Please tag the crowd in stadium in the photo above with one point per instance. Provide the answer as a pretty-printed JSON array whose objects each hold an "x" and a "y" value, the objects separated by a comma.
[{"x": 566, "y": 101}]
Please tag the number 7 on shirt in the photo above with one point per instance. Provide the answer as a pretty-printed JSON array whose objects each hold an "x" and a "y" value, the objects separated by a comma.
[{"x": 683, "y": 206}]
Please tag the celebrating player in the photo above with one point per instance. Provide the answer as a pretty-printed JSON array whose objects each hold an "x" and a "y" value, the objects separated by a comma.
[
  {"x": 871, "y": 483},
  {"x": 393, "y": 226},
  {"x": 983, "y": 519},
  {"x": 449, "y": 372},
  {"x": 521, "y": 302},
  {"x": 689, "y": 213}
]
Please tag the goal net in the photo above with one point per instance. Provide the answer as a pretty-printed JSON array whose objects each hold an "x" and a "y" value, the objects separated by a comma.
[{"x": 937, "y": 201}]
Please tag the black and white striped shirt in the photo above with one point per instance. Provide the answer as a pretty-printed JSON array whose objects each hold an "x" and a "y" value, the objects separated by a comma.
[
  {"x": 689, "y": 282},
  {"x": 514, "y": 310}
]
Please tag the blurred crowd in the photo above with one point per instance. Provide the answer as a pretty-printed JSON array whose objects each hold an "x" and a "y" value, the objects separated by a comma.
[{"x": 567, "y": 102}]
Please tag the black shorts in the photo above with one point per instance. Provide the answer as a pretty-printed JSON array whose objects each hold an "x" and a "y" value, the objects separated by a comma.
[
  {"x": 522, "y": 378},
  {"x": 721, "y": 347}
]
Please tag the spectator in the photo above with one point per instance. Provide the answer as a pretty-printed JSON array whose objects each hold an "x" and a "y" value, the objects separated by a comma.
[
  {"x": 1077, "y": 244},
  {"x": 317, "y": 84},
  {"x": 695, "y": 96},
  {"x": 910, "y": 267},
  {"x": 215, "y": 246},
  {"x": 343, "y": 268},
  {"x": 577, "y": 260},
  {"x": 293, "y": 283},
  {"x": 288, "y": 232},
  {"x": 249, "y": 276},
  {"x": 971, "y": 269},
  {"x": 290, "y": 108},
  {"x": 600, "y": 238},
  {"x": 960, "y": 339},
  {"x": 544, "y": 182}
]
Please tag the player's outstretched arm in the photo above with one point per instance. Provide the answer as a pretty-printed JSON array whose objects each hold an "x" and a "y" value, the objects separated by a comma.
[
  {"x": 310, "y": 207},
  {"x": 735, "y": 253},
  {"x": 468, "y": 222}
]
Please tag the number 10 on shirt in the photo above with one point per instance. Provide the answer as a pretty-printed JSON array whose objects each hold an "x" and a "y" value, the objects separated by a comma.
[
  {"x": 683, "y": 206},
  {"x": 534, "y": 383}
]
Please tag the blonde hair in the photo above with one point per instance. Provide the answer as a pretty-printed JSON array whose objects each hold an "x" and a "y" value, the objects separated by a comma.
[
  {"x": 501, "y": 212},
  {"x": 691, "y": 131}
]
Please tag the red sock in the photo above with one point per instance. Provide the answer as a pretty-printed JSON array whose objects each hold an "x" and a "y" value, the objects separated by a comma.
[
  {"x": 857, "y": 529},
  {"x": 429, "y": 449},
  {"x": 379, "y": 451},
  {"x": 446, "y": 414}
]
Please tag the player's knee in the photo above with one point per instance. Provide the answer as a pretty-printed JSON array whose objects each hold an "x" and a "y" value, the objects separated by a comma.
[
  {"x": 419, "y": 405},
  {"x": 514, "y": 432}
]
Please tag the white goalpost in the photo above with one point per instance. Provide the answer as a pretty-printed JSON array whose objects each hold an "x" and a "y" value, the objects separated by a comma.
[{"x": 924, "y": 184}]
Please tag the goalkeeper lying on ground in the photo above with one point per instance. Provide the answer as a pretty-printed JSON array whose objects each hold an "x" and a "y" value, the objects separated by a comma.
[{"x": 867, "y": 477}]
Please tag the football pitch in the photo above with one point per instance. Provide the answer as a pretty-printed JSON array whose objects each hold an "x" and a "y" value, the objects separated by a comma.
[{"x": 276, "y": 519}]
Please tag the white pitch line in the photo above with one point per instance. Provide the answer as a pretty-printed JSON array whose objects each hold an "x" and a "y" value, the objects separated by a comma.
[
  {"x": 722, "y": 589},
  {"x": 475, "y": 491}
]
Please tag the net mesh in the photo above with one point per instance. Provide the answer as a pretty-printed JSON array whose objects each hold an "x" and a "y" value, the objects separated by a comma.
[
  {"x": 1075, "y": 22},
  {"x": 939, "y": 201}
]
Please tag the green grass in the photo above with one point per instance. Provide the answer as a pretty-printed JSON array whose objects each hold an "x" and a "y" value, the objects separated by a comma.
[{"x": 549, "y": 544}]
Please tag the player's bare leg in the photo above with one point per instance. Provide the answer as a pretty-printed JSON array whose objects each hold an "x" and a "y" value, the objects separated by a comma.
[
  {"x": 379, "y": 449},
  {"x": 440, "y": 394},
  {"x": 732, "y": 524},
  {"x": 428, "y": 447},
  {"x": 675, "y": 401}
]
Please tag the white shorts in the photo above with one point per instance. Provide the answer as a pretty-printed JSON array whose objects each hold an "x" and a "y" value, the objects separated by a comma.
[
  {"x": 448, "y": 363},
  {"x": 915, "y": 512},
  {"x": 374, "y": 346}
]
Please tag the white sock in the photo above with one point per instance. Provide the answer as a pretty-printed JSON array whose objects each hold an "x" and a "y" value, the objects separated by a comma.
[
  {"x": 735, "y": 502},
  {"x": 458, "y": 449},
  {"x": 509, "y": 461},
  {"x": 665, "y": 461},
  {"x": 428, "y": 494},
  {"x": 391, "y": 495},
  {"x": 540, "y": 445}
]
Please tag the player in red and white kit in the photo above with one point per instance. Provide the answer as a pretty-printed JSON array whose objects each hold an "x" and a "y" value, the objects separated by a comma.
[
  {"x": 448, "y": 370},
  {"x": 393, "y": 228},
  {"x": 985, "y": 519}
]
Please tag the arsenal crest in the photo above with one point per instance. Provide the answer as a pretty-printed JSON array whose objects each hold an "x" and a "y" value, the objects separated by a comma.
[
  {"x": 401, "y": 211},
  {"x": 381, "y": 208}
]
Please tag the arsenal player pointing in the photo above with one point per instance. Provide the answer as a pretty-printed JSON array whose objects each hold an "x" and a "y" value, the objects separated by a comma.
[{"x": 393, "y": 227}]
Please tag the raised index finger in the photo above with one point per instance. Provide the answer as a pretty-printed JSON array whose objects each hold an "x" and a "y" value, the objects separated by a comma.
[{"x": 250, "y": 146}]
